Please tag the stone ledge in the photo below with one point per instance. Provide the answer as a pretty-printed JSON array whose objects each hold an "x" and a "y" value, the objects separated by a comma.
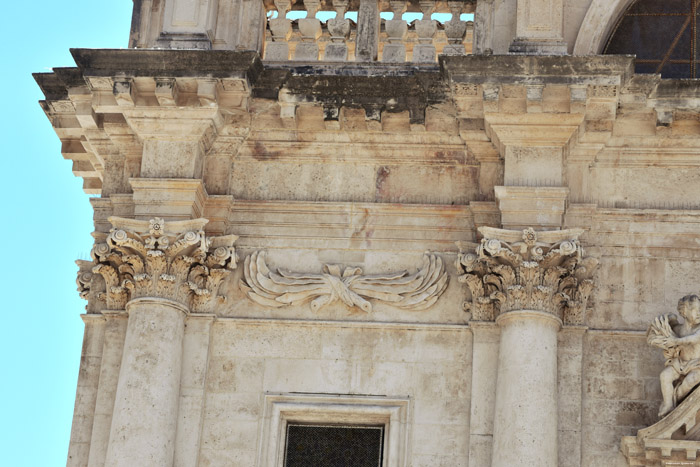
[
  {"x": 528, "y": 69},
  {"x": 172, "y": 63}
]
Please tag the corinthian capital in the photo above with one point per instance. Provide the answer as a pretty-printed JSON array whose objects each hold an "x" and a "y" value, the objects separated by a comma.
[
  {"x": 528, "y": 270},
  {"x": 171, "y": 260}
]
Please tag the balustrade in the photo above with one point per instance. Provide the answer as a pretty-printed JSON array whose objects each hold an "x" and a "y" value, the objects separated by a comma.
[{"x": 392, "y": 31}]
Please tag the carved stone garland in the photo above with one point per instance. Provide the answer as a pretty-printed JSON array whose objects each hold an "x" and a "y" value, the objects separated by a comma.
[
  {"x": 416, "y": 291},
  {"x": 173, "y": 260},
  {"x": 528, "y": 270}
]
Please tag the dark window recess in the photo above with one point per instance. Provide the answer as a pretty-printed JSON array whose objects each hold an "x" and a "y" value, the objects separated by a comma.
[
  {"x": 333, "y": 446},
  {"x": 662, "y": 34}
]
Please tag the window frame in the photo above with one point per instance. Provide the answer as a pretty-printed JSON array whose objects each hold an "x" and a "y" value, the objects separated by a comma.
[{"x": 281, "y": 409}]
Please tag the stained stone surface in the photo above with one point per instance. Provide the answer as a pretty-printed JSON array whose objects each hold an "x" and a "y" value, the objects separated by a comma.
[{"x": 363, "y": 176}]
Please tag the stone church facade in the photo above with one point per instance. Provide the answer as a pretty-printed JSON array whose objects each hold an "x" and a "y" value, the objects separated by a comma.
[{"x": 389, "y": 240}]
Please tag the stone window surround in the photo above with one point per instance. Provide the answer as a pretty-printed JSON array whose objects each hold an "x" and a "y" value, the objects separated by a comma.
[
  {"x": 280, "y": 409},
  {"x": 601, "y": 17}
]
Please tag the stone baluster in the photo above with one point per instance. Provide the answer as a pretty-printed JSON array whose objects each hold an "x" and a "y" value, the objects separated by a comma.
[
  {"x": 396, "y": 29},
  {"x": 424, "y": 51},
  {"x": 160, "y": 273},
  {"x": 455, "y": 29},
  {"x": 310, "y": 28},
  {"x": 531, "y": 283},
  {"x": 339, "y": 29},
  {"x": 281, "y": 29}
]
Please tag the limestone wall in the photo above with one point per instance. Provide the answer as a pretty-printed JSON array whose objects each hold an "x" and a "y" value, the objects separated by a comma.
[
  {"x": 372, "y": 169},
  {"x": 428, "y": 365}
]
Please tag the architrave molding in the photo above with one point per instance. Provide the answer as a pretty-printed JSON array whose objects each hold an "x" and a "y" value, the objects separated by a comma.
[{"x": 280, "y": 409}]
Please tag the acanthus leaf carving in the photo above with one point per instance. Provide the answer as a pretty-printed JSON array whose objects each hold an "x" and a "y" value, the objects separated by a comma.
[
  {"x": 84, "y": 278},
  {"x": 417, "y": 291},
  {"x": 174, "y": 260},
  {"x": 527, "y": 270}
]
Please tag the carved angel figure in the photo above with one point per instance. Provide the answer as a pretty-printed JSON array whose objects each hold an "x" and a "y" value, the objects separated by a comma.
[
  {"x": 681, "y": 346},
  {"x": 416, "y": 291}
]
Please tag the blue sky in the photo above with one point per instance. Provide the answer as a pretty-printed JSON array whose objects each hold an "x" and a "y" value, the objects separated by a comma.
[{"x": 48, "y": 220}]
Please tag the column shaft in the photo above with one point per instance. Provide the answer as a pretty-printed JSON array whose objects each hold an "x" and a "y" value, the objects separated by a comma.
[
  {"x": 525, "y": 422},
  {"x": 146, "y": 406},
  {"x": 110, "y": 364},
  {"x": 86, "y": 393}
]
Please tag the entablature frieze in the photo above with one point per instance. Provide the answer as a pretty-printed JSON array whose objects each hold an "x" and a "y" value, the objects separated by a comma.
[{"x": 320, "y": 225}]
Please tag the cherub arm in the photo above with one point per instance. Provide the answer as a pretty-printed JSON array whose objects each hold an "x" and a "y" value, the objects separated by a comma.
[
  {"x": 673, "y": 322},
  {"x": 661, "y": 334},
  {"x": 692, "y": 338}
]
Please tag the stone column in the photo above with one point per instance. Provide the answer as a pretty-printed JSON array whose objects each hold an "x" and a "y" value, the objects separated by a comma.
[
  {"x": 192, "y": 388},
  {"x": 146, "y": 406},
  {"x": 86, "y": 393},
  {"x": 484, "y": 375},
  {"x": 529, "y": 283},
  {"x": 525, "y": 421},
  {"x": 115, "y": 330},
  {"x": 159, "y": 272}
]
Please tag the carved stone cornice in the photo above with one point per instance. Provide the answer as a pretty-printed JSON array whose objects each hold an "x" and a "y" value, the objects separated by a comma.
[
  {"x": 170, "y": 260},
  {"x": 351, "y": 286},
  {"x": 527, "y": 270}
]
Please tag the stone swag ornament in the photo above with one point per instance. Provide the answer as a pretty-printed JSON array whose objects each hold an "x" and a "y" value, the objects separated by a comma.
[
  {"x": 173, "y": 260},
  {"x": 680, "y": 343},
  {"x": 527, "y": 270},
  {"x": 350, "y": 285}
]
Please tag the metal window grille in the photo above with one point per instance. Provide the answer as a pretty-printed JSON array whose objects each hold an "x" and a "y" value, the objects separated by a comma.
[
  {"x": 333, "y": 446},
  {"x": 663, "y": 35}
]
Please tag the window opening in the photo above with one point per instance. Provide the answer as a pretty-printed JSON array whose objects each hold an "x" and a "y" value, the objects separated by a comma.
[
  {"x": 662, "y": 34},
  {"x": 309, "y": 445}
]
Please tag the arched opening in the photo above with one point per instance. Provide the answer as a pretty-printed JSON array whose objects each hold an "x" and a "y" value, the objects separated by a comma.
[{"x": 662, "y": 34}]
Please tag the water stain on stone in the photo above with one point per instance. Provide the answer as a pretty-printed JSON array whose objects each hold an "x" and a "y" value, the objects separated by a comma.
[
  {"x": 382, "y": 175},
  {"x": 260, "y": 153}
]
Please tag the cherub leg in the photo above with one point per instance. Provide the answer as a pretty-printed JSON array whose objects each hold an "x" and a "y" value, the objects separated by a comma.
[
  {"x": 667, "y": 377},
  {"x": 689, "y": 383}
]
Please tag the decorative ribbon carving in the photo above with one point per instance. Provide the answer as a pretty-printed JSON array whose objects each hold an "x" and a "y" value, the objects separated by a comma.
[
  {"x": 173, "y": 260},
  {"x": 416, "y": 291},
  {"x": 528, "y": 270}
]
